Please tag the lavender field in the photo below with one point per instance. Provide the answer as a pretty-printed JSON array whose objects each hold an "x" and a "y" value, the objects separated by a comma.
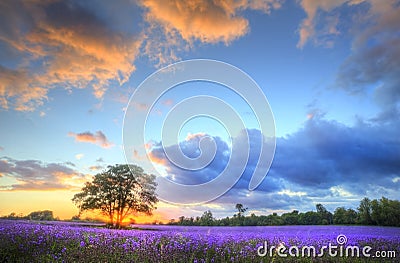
[{"x": 24, "y": 241}]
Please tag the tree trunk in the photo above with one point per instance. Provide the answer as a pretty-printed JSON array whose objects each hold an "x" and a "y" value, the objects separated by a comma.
[{"x": 111, "y": 219}]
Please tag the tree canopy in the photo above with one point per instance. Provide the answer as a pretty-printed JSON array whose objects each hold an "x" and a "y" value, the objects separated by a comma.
[{"x": 118, "y": 192}]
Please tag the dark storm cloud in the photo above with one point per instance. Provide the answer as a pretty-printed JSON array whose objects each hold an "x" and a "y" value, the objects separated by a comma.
[{"x": 326, "y": 153}]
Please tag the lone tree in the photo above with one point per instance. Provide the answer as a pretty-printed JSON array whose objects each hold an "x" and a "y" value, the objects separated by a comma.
[
  {"x": 240, "y": 209},
  {"x": 120, "y": 191}
]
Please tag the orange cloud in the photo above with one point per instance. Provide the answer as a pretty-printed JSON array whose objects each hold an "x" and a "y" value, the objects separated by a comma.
[
  {"x": 191, "y": 136},
  {"x": 98, "y": 138},
  {"x": 74, "y": 49},
  {"x": 59, "y": 44},
  {"x": 207, "y": 21},
  {"x": 18, "y": 84},
  {"x": 203, "y": 20},
  {"x": 156, "y": 160},
  {"x": 137, "y": 156},
  {"x": 148, "y": 145},
  {"x": 175, "y": 25}
]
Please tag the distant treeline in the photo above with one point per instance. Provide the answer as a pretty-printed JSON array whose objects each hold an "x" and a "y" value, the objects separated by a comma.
[
  {"x": 45, "y": 215},
  {"x": 383, "y": 212}
]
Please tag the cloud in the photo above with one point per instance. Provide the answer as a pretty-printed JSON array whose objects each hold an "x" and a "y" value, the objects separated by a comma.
[
  {"x": 36, "y": 175},
  {"x": 190, "y": 148},
  {"x": 97, "y": 138},
  {"x": 373, "y": 67},
  {"x": 326, "y": 153},
  {"x": 95, "y": 167},
  {"x": 307, "y": 28},
  {"x": 140, "y": 106},
  {"x": 374, "y": 64},
  {"x": 70, "y": 164},
  {"x": 338, "y": 164},
  {"x": 324, "y": 161},
  {"x": 196, "y": 136},
  {"x": 206, "y": 21},
  {"x": 181, "y": 23},
  {"x": 15, "y": 84},
  {"x": 79, "y": 156},
  {"x": 323, "y": 19},
  {"x": 73, "y": 45},
  {"x": 60, "y": 44},
  {"x": 168, "y": 102}
]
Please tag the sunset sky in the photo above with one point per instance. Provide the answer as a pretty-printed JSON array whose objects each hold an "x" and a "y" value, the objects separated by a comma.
[{"x": 329, "y": 69}]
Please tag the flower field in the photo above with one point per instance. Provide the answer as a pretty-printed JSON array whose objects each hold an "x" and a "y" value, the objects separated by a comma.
[{"x": 24, "y": 241}]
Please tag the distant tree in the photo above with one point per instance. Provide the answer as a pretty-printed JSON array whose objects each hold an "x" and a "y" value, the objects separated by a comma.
[
  {"x": 320, "y": 209},
  {"x": 310, "y": 218},
  {"x": 291, "y": 218},
  {"x": 13, "y": 216},
  {"x": 364, "y": 212},
  {"x": 274, "y": 220},
  {"x": 343, "y": 216},
  {"x": 351, "y": 216},
  {"x": 239, "y": 218},
  {"x": 251, "y": 220},
  {"x": 326, "y": 216},
  {"x": 225, "y": 221},
  {"x": 45, "y": 215},
  {"x": 339, "y": 216},
  {"x": 262, "y": 220},
  {"x": 207, "y": 219},
  {"x": 240, "y": 209},
  {"x": 120, "y": 191},
  {"x": 385, "y": 212},
  {"x": 76, "y": 218}
]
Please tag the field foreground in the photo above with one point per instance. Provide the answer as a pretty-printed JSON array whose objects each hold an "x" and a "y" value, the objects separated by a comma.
[{"x": 24, "y": 241}]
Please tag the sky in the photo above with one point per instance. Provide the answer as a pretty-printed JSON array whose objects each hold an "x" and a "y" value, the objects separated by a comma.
[{"x": 330, "y": 71}]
